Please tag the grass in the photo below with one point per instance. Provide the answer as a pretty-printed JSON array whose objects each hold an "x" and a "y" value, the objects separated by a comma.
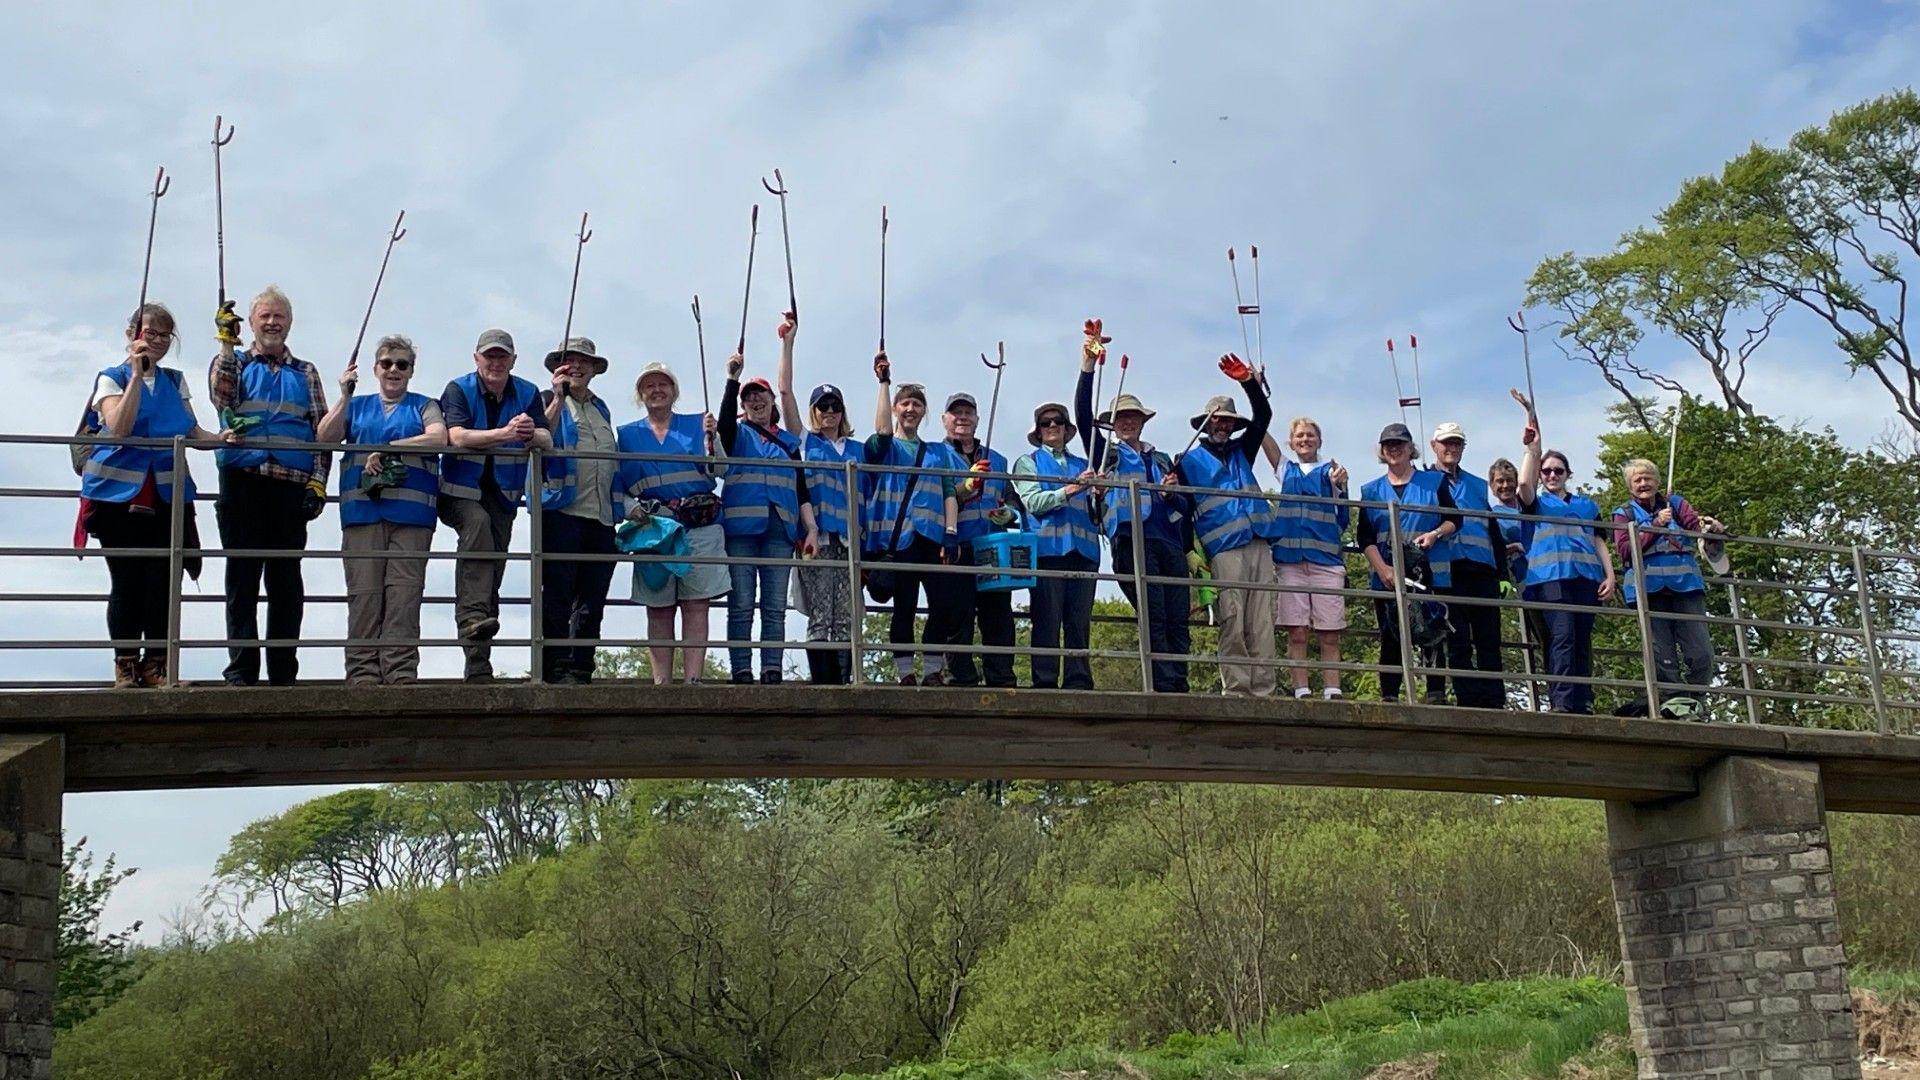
[
  {"x": 1889, "y": 985},
  {"x": 1485, "y": 1031}
]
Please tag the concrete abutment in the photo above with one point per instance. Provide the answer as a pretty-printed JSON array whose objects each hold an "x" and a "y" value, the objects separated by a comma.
[{"x": 1733, "y": 960}]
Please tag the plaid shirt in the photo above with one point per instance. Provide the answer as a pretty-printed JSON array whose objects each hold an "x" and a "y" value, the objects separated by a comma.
[{"x": 223, "y": 389}]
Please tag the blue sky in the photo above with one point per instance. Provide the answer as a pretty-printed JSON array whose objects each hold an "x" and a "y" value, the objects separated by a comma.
[{"x": 1402, "y": 169}]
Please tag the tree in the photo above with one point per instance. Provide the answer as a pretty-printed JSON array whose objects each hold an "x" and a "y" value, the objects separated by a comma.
[{"x": 95, "y": 968}]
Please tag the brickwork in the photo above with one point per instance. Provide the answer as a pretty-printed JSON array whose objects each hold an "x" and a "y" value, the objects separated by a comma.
[{"x": 30, "y": 783}]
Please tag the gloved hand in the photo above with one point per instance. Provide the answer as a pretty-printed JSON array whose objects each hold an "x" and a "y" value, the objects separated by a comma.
[
  {"x": 1095, "y": 346},
  {"x": 950, "y": 551},
  {"x": 1506, "y": 589},
  {"x": 1235, "y": 368},
  {"x": 236, "y": 423},
  {"x": 315, "y": 499},
  {"x": 1002, "y": 516},
  {"x": 1197, "y": 564},
  {"x": 226, "y": 325}
]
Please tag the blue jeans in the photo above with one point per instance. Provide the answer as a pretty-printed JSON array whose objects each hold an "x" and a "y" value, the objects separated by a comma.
[
  {"x": 767, "y": 585},
  {"x": 1569, "y": 641}
]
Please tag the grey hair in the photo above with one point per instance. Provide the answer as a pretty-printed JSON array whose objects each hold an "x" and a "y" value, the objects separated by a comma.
[
  {"x": 1303, "y": 421},
  {"x": 1501, "y": 465},
  {"x": 272, "y": 293},
  {"x": 400, "y": 342},
  {"x": 1638, "y": 464}
]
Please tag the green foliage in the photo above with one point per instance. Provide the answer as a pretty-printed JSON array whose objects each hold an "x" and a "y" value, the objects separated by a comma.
[{"x": 95, "y": 968}]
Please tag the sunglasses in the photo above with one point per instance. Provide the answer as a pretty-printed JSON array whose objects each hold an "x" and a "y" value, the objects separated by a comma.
[
  {"x": 395, "y": 365},
  {"x": 1052, "y": 421},
  {"x": 830, "y": 405},
  {"x": 1553, "y": 471}
]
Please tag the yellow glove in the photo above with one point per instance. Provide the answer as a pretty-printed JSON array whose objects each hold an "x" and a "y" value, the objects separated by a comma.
[
  {"x": 226, "y": 325},
  {"x": 314, "y": 501},
  {"x": 1197, "y": 564}
]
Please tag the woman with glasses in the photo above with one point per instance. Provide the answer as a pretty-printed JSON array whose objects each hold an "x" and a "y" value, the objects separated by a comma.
[
  {"x": 822, "y": 591},
  {"x": 1055, "y": 490},
  {"x": 1566, "y": 564},
  {"x": 386, "y": 506},
  {"x": 126, "y": 492}
]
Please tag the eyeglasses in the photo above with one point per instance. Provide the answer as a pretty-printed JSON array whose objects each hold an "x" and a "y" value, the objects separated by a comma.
[
  {"x": 1052, "y": 421},
  {"x": 1552, "y": 471},
  {"x": 829, "y": 406},
  {"x": 396, "y": 365}
]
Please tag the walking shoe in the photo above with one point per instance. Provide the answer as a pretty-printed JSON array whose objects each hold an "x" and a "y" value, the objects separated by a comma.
[
  {"x": 934, "y": 678},
  {"x": 151, "y": 672},
  {"x": 478, "y": 678},
  {"x": 744, "y": 678},
  {"x": 1331, "y": 693},
  {"x": 126, "y": 675},
  {"x": 480, "y": 629},
  {"x": 1302, "y": 693},
  {"x": 909, "y": 680},
  {"x": 770, "y": 677}
]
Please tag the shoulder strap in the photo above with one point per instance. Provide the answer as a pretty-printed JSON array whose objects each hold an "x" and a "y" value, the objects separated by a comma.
[{"x": 906, "y": 497}]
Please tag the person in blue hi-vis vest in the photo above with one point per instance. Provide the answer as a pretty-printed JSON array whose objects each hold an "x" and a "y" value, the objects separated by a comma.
[
  {"x": 986, "y": 506},
  {"x": 580, "y": 503},
  {"x": 1059, "y": 505},
  {"x": 386, "y": 510},
  {"x": 766, "y": 513},
  {"x": 1427, "y": 518},
  {"x": 683, "y": 491},
  {"x": 914, "y": 520},
  {"x": 1566, "y": 564},
  {"x": 488, "y": 408},
  {"x": 1307, "y": 555},
  {"x": 126, "y": 492},
  {"x": 1503, "y": 497},
  {"x": 821, "y": 591},
  {"x": 1475, "y": 558},
  {"x": 1682, "y": 650}
]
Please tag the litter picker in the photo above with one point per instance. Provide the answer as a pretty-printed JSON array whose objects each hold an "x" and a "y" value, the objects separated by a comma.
[
  {"x": 1673, "y": 442},
  {"x": 883, "y": 279},
  {"x": 993, "y": 408},
  {"x": 786, "y": 241},
  {"x": 1241, "y": 308},
  {"x": 161, "y": 182},
  {"x": 1519, "y": 325},
  {"x": 1413, "y": 340},
  {"x": 1398, "y": 389},
  {"x": 566, "y": 333},
  {"x": 219, "y": 208},
  {"x": 1259, "y": 329},
  {"x": 393, "y": 237},
  {"x": 700, "y": 336},
  {"x": 746, "y": 294}
]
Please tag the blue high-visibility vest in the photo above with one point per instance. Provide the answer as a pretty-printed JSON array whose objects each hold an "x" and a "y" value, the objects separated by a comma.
[
  {"x": 117, "y": 473},
  {"x": 926, "y": 514},
  {"x": 1420, "y": 512},
  {"x": 460, "y": 473},
  {"x": 409, "y": 503},
  {"x": 1309, "y": 532},
  {"x": 1669, "y": 561},
  {"x": 1474, "y": 540},
  {"x": 1564, "y": 552},
  {"x": 664, "y": 480},
  {"x": 992, "y": 493},
  {"x": 1129, "y": 464},
  {"x": 828, "y": 487},
  {"x": 1224, "y": 521},
  {"x": 761, "y": 500},
  {"x": 561, "y": 484},
  {"x": 1067, "y": 529},
  {"x": 278, "y": 396},
  {"x": 1517, "y": 532}
]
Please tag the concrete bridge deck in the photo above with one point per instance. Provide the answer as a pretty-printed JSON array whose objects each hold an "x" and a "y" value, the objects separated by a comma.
[{"x": 220, "y": 736}]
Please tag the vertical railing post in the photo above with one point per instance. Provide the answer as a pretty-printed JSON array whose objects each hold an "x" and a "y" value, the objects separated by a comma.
[
  {"x": 1648, "y": 672},
  {"x": 1526, "y": 657},
  {"x": 1400, "y": 604},
  {"x": 1142, "y": 620},
  {"x": 536, "y": 630},
  {"x": 1867, "y": 640},
  {"x": 857, "y": 598},
  {"x": 176, "y": 555},
  {"x": 1740, "y": 650}
]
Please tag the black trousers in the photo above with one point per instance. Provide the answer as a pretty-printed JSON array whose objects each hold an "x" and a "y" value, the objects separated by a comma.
[
  {"x": 1168, "y": 607},
  {"x": 993, "y": 611},
  {"x": 255, "y": 511},
  {"x": 573, "y": 595},
  {"x": 1062, "y": 612},
  {"x": 1473, "y": 635},
  {"x": 1391, "y": 681},
  {"x": 137, "y": 591},
  {"x": 944, "y": 600}
]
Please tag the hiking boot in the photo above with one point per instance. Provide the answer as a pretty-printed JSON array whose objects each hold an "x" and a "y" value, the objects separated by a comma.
[
  {"x": 743, "y": 678},
  {"x": 480, "y": 629},
  {"x": 769, "y": 677},
  {"x": 126, "y": 674},
  {"x": 909, "y": 680},
  {"x": 477, "y": 678},
  {"x": 152, "y": 672}
]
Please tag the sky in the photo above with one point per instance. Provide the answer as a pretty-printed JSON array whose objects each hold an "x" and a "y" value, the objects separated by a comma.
[{"x": 1402, "y": 169}]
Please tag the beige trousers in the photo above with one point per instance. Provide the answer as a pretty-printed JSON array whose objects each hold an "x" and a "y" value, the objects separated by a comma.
[
  {"x": 1245, "y": 618},
  {"x": 383, "y": 600}
]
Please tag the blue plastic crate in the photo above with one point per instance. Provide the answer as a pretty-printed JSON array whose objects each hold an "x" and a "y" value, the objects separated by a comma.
[{"x": 1014, "y": 552}]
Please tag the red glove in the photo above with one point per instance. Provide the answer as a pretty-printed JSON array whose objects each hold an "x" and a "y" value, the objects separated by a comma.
[
  {"x": 1095, "y": 346},
  {"x": 1235, "y": 368}
]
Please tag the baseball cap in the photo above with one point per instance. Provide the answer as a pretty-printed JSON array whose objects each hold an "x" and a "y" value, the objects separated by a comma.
[
  {"x": 495, "y": 338},
  {"x": 758, "y": 382},
  {"x": 1449, "y": 430},
  {"x": 1395, "y": 433},
  {"x": 824, "y": 391},
  {"x": 962, "y": 399}
]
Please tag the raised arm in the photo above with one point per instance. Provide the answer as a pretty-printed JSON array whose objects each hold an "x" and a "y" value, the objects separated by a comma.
[
  {"x": 783, "y": 378},
  {"x": 333, "y": 426},
  {"x": 1530, "y": 460},
  {"x": 883, "y": 412}
]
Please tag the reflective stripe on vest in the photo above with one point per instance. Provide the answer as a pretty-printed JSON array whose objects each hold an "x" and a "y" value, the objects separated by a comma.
[
  {"x": 460, "y": 473},
  {"x": 561, "y": 484},
  {"x": 1564, "y": 552},
  {"x": 1473, "y": 541},
  {"x": 117, "y": 473},
  {"x": 1420, "y": 512},
  {"x": 1308, "y": 532},
  {"x": 1224, "y": 522},
  {"x": 758, "y": 498},
  {"x": 1669, "y": 561},
  {"x": 828, "y": 487},
  {"x": 1068, "y": 529},
  {"x": 927, "y": 516},
  {"x": 411, "y": 501},
  {"x": 663, "y": 480},
  {"x": 993, "y": 493},
  {"x": 1130, "y": 464},
  {"x": 278, "y": 396}
]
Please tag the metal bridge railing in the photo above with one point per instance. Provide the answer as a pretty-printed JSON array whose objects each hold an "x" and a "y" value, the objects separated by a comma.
[{"x": 1832, "y": 639}]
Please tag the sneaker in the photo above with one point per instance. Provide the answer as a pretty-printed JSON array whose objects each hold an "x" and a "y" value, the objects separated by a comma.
[
  {"x": 1331, "y": 693},
  {"x": 1302, "y": 693},
  {"x": 126, "y": 674},
  {"x": 480, "y": 629},
  {"x": 743, "y": 678},
  {"x": 769, "y": 677}
]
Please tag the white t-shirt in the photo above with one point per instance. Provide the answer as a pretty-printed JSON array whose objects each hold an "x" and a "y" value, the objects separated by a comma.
[{"x": 105, "y": 387}]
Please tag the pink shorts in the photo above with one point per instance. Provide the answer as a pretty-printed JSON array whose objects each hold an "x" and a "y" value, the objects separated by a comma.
[{"x": 1321, "y": 611}]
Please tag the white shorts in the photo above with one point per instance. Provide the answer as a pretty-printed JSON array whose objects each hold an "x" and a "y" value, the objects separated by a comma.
[
  {"x": 703, "y": 581},
  {"x": 1321, "y": 611}
]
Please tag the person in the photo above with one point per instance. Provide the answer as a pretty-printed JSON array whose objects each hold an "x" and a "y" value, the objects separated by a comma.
[
  {"x": 1233, "y": 529},
  {"x": 1168, "y": 533},
  {"x": 580, "y": 503},
  {"x": 489, "y": 408},
  {"x": 386, "y": 506},
  {"x": 1059, "y": 503},
  {"x": 1503, "y": 487},
  {"x": 766, "y": 514},
  {"x": 684, "y": 491},
  {"x": 1307, "y": 556},
  {"x": 822, "y": 589},
  {"x": 1566, "y": 564},
  {"x": 1682, "y": 650},
  {"x": 126, "y": 492},
  {"x": 268, "y": 493},
  {"x": 986, "y": 506},
  {"x": 912, "y": 519},
  {"x": 1425, "y": 521},
  {"x": 1472, "y": 558}
]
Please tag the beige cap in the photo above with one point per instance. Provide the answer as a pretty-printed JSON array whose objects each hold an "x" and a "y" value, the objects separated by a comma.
[{"x": 1449, "y": 430}]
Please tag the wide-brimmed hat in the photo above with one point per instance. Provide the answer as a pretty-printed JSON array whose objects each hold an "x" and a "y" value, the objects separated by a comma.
[
  {"x": 1219, "y": 405},
  {"x": 1124, "y": 403},
  {"x": 655, "y": 368},
  {"x": 583, "y": 347},
  {"x": 1033, "y": 437}
]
